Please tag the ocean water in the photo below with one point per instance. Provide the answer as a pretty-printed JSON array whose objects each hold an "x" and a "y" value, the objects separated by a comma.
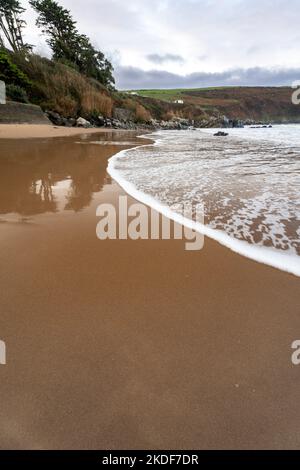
[{"x": 248, "y": 183}]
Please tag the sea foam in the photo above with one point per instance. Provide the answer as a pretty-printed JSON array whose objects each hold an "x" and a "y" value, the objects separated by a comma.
[{"x": 249, "y": 189}]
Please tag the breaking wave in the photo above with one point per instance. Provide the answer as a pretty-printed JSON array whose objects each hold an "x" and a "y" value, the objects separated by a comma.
[{"x": 248, "y": 183}]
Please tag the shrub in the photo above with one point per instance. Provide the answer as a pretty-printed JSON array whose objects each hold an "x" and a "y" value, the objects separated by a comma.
[
  {"x": 130, "y": 104},
  {"x": 60, "y": 88},
  {"x": 16, "y": 93},
  {"x": 142, "y": 114},
  {"x": 10, "y": 72}
]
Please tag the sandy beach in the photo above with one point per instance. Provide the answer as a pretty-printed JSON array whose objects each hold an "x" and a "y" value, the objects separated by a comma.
[
  {"x": 123, "y": 344},
  {"x": 27, "y": 131}
]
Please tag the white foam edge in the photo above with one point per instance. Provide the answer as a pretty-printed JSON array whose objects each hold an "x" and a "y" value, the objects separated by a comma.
[{"x": 268, "y": 256}]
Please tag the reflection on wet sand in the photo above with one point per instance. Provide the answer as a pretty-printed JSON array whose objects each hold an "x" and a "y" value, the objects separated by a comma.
[{"x": 40, "y": 176}]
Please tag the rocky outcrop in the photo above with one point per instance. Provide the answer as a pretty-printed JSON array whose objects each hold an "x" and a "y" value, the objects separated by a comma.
[
  {"x": 172, "y": 124},
  {"x": 94, "y": 121},
  {"x": 232, "y": 123},
  {"x": 59, "y": 120},
  {"x": 210, "y": 121},
  {"x": 123, "y": 115}
]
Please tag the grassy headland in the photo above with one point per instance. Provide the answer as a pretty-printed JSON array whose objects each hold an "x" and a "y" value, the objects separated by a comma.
[{"x": 244, "y": 103}]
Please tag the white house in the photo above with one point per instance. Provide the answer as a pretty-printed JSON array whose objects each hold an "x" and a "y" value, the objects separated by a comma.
[{"x": 179, "y": 102}]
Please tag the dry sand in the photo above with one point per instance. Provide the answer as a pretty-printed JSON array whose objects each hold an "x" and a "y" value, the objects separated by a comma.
[
  {"x": 25, "y": 131},
  {"x": 132, "y": 344}
]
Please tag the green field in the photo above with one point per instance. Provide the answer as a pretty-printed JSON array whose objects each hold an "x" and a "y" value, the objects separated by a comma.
[{"x": 170, "y": 94}]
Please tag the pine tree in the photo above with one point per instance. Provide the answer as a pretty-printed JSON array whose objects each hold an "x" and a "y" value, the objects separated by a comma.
[{"x": 11, "y": 25}]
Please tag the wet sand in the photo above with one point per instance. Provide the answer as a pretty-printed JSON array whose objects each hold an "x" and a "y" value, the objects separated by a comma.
[{"x": 131, "y": 344}]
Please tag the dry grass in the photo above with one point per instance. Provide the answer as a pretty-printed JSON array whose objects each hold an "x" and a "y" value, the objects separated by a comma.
[
  {"x": 93, "y": 101},
  {"x": 63, "y": 89},
  {"x": 140, "y": 112},
  {"x": 169, "y": 115}
]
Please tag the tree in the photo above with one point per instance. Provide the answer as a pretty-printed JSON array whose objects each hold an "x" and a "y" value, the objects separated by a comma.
[
  {"x": 57, "y": 24},
  {"x": 68, "y": 45},
  {"x": 12, "y": 24},
  {"x": 92, "y": 62}
]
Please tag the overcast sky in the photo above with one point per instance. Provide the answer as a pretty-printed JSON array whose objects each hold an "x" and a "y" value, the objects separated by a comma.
[{"x": 190, "y": 43}]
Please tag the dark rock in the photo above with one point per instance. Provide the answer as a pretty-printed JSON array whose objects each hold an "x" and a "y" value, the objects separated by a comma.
[
  {"x": 221, "y": 134},
  {"x": 100, "y": 121},
  {"x": 117, "y": 124},
  {"x": 55, "y": 118},
  {"x": 65, "y": 122},
  {"x": 71, "y": 122},
  {"x": 59, "y": 120}
]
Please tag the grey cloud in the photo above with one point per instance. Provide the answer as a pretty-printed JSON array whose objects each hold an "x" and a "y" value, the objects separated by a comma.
[
  {"x": 162, "y": 58},
  {"x": 232, "y": 35},
  {"x": 203, "y": 57},
  {"x": 135, "y": 78}
]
